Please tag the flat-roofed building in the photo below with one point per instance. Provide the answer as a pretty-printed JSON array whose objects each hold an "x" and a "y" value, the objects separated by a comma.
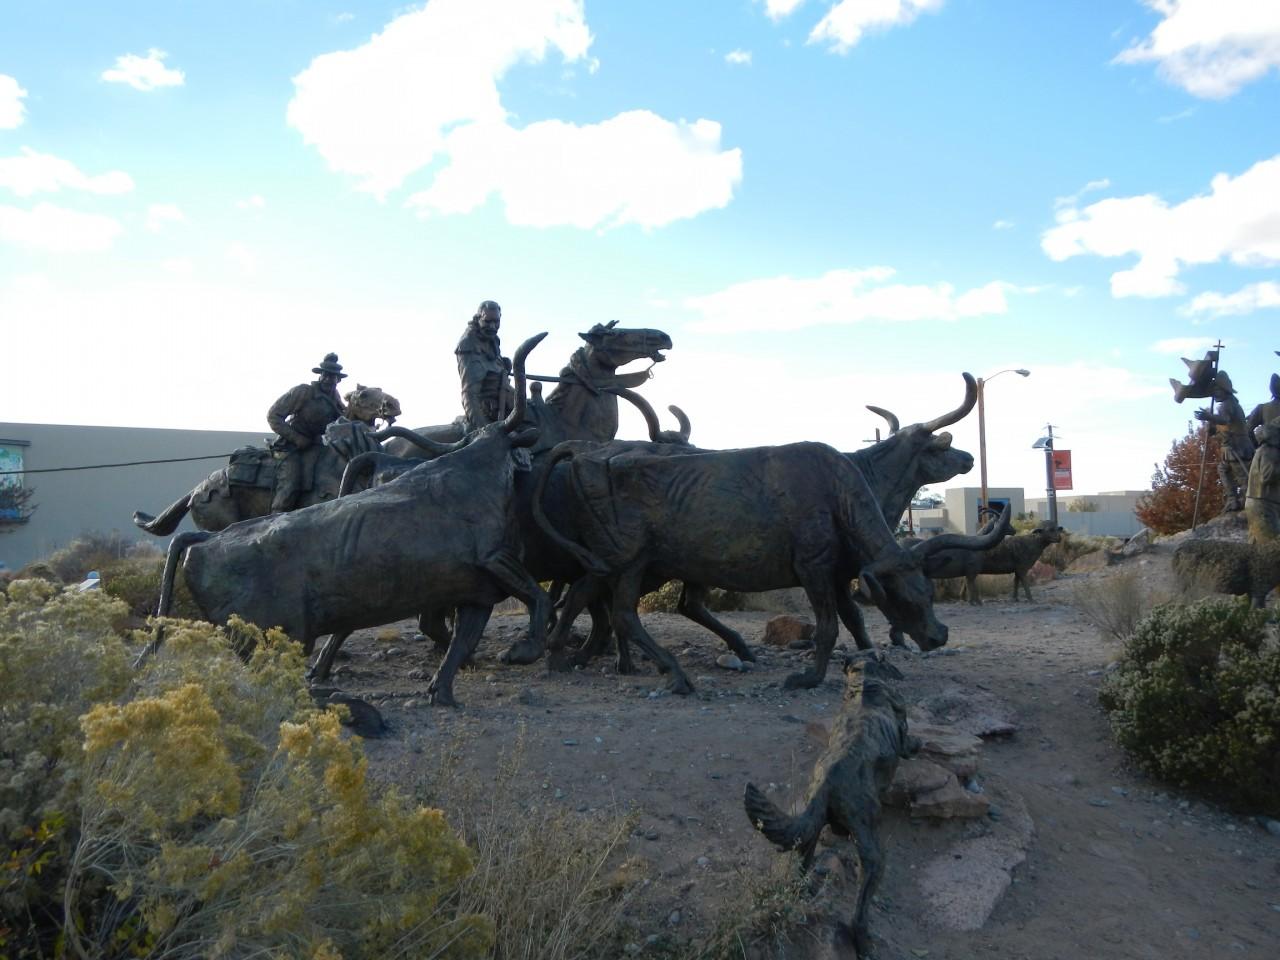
[{"x": 69, "y": 503}]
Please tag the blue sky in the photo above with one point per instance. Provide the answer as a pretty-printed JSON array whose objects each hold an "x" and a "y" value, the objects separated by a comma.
[{"x": 826, "y": 203}]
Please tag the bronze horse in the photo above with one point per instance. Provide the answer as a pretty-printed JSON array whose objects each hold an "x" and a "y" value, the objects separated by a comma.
[
  {"x": 243, "y": 488},
  {"x": 584, "y": 404}
]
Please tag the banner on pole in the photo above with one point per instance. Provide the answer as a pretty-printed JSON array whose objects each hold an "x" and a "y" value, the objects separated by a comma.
[{"x": 1062, "y": 469}]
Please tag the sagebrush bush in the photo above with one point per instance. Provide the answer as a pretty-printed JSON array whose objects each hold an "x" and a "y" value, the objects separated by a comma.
[
  {"x": 1072, "y": 547},
  {"x": 93, "y": 551},
  {"x": 136, "y": 581},
  {"x": 666, "y": 599},
  {"x": 1196, "y": 700},
  {"x": 202, "y": 807},
  {"x": 1115, "y": 604}
]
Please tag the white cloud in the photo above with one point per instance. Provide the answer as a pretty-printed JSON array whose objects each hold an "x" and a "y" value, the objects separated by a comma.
[
  {"x": 144, "y": 73},
  {"x": 1256, "y": 296},
  {"x": 57, "y": 229},
  {"x": 777, "y": 9},
  {"x": 255, "y": 202},
  {"x": 1211, "y": 48},
  {"x": 381, "y": 111},
  {"x": 1183, "y": 346},
  {"x": 847, "y": 21},
  {"x": 839, "y": 297},
  {"x": 158, "y": 214},
  {"x": 739, "y": 57},
  {"x": 425, "y": 90},
  {"x": 634, "y": 168},
  {"x": 1239, "y": 220},
  {"x": 12, "y": 111},
  {"x": 1090, "y": 187},
  {"x": 1002, "y": 225},
  {"x": 32, "y": 173}
]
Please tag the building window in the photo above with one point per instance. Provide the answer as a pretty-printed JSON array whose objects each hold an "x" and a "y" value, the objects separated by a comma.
[{"x": 15, "y": 496}]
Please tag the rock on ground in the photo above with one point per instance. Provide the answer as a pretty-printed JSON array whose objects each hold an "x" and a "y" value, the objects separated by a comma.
[{"x": 963, "y": 885}]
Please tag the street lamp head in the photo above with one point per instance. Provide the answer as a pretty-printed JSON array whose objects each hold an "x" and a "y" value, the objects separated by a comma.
[{"x": 1022, "y": 373}]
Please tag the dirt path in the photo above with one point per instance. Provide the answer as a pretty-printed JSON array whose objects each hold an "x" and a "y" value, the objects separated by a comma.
[{"x": 1115, "y": 867}]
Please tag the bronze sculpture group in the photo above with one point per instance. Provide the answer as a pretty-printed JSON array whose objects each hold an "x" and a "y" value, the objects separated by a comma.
[
  {"x": 1247, "y": 462},
  {"x": 444, "y": 521}
]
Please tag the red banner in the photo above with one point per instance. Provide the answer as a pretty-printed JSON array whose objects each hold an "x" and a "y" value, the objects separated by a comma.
[{"x": 1062, "y": 469}]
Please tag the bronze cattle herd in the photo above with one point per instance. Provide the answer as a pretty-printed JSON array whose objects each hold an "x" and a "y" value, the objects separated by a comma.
[{"x": 444, "y": 522}]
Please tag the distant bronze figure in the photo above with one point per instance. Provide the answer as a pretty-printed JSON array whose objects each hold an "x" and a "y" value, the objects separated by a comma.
[
  {"x": 1200, "y": 377},
  {"x": 1266, "y": 412},
  {"x": 1233, "y": 435},
  {"x": 298, "y": 419},
  {"x": 485, "y": 373},
  {"x": 1262, "y": 498}
]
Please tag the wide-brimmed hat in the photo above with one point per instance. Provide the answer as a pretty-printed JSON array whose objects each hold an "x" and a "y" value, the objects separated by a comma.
[{"x": 330, "y": 364}]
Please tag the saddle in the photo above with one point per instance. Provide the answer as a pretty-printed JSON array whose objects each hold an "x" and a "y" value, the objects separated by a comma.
[{"x": 252, "y": 467}]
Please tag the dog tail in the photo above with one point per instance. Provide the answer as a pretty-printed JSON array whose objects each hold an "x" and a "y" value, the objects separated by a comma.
[{"x": 788, "y": 833}]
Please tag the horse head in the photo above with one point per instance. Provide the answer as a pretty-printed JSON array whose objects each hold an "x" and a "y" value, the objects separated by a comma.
[
  {"x": 610, "y": 346},
  {"x": 368, "y": 403}
]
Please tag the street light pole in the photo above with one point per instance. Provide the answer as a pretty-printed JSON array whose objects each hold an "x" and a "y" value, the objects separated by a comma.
[{"x": 982, "y": 433}]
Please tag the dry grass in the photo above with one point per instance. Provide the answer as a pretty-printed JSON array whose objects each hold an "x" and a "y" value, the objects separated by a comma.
[
  {"x": 1114, "y": 604},
  {"x": 553, "y": 882}
]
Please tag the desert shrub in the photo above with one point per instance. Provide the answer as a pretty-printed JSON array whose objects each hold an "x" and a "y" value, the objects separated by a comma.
[
  {"x": 136, "y": 581},
  {"x": 666, "y": 599},
  {"x": 93, "y": 551},
  {"x": 1196, "y": 700},
  {"x": 1072, "y": 547},
  {"x": 1114, "y": 604},
  {"x": 201, "y": 807},
  {"x": 776, "y": 906}
]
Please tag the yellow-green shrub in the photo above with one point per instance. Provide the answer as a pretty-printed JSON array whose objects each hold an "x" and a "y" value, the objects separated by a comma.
[
  {"x": 1196, "y": 700},
  {"x": 210, "y": 809}
]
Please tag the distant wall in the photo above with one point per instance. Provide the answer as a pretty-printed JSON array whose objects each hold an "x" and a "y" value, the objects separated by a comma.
[{"x": 71, "y": 503}]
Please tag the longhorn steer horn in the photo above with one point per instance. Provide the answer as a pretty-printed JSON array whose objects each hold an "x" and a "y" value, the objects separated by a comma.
[
  {"x": 958, "y": 414},
  {"x": 651, "y": 417},
  {"x": 882, "y": 412},
  {"x": 960, "y": 541},
  {"x": 426, "y": 443},
  {"x": 516, "y": 416}
]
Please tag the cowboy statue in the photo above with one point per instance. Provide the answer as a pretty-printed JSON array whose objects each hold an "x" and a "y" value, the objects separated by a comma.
[
  {"x": 1233, "y": 435},
  {"x": 299, "y": 418},
  {"x": 487, "y": 395}
]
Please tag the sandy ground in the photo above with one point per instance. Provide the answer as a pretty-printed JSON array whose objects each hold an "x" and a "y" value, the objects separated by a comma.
[{"x": 1115, "y": 865}]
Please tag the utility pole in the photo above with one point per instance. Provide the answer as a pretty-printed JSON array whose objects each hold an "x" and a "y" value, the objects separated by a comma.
[{"x": 1050, "y": 490}]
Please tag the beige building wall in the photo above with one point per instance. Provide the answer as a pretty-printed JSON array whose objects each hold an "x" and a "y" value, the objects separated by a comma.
[{"x": 74, "y": 502}]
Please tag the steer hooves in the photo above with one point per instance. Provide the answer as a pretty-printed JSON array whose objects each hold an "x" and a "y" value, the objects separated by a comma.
[
  {"x": 522, "y": 652},
  {"x": 680, "y": 685},
  {"x": 559, "y": 662},
  {"x": 441, "y": 697},
  {"x": 802, "y": 681}
]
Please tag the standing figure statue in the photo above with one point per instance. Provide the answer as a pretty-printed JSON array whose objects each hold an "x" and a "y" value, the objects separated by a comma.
[
  {"x": 487, "y": 395},
  {"x": 1237, "y": 444},
  {"x": 1262, "y": 499},
  {"x": 1266, "y": 412},
  {"x": 299, "y": 418}
]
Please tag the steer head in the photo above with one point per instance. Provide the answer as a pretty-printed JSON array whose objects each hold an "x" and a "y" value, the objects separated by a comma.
[
  {"x": 896, "y": 582},
  {"x": 915, "y": 456}
]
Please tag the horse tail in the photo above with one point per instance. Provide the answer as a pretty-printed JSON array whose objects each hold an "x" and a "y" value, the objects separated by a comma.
[{"x": 168, "y": 521}]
